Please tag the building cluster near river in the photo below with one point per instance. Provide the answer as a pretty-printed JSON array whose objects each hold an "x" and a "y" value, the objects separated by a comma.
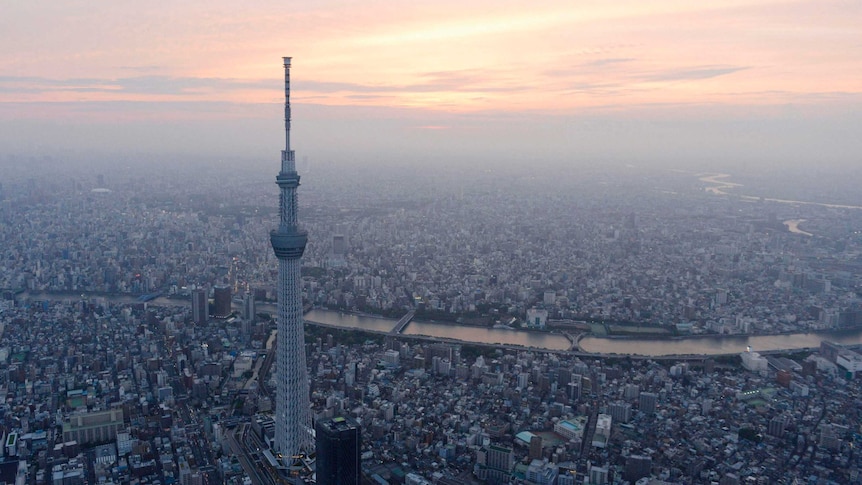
[
  {"x": 642, "y": 246},
  {"x": 570, "y": 338},
  {"x": 630, "y": 345}
]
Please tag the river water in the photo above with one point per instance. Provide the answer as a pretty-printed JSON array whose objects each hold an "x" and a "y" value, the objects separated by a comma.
[
  {"x": 716, "y": 345},
  {"x": 484, "y": 335},
  {"x": 349, "y": 320},
  {"x": 713, "y": 345}
]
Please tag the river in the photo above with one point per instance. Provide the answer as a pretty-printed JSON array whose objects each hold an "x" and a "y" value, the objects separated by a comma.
[
  {"x": 711, "y": 345},
  {"x": 542, "y": 340},
  {"x": 721, "y": 186},
  {"x": 716, "y": 345},
  {"x": 453, "y": 331},
  {"x": 349, "y": 320}
]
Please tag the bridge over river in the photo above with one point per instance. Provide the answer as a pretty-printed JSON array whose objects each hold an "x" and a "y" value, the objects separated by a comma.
[{"x": 403, "y": 322}]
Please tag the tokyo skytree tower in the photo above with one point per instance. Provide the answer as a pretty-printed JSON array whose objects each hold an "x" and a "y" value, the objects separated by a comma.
[{"x": 293, "y": 415}]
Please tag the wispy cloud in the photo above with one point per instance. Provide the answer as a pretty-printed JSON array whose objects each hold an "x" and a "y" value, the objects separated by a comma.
[
  {"x": 339, "y": 87},
  {"x": 694, "y": 73},
  {"x": 463, "y": 81},
  {"x": 159, "y": 85},
  {"x": 608, "y": 61},
  {"x": 135, "y": 85}
]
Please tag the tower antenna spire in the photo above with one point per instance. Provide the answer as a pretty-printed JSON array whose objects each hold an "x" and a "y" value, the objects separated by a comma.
[{"x": 291, "y": 158}]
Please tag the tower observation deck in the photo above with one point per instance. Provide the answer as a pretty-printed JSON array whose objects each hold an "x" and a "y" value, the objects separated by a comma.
[{"x": 293, "y": 414}]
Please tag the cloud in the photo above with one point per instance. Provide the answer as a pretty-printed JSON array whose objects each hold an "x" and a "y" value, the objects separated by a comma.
[
  {"x": 465, "y": 80},
  {"x": 119, "y": 110},
  {"x": 45, "y": 81},
  {"x": 135, "y": 85},
  {"x": 338, "y": 87},
  {"x": 599, "y": 88},
  {"x": 368, "y": 97},
  {"x": 691, "y": 74},
  {"x": 454, "y": 81},
  {"x": 140, "y": 68},
  {"x": 608, "y": 61},
  {"x": 469, "y": 80}
]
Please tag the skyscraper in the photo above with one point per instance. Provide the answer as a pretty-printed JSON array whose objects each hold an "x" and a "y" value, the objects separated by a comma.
[
  {"x": 200, "y": 306},
  {"x": 293, "y": 416},
  {"x": 249, "y": 310},
  {"x": 337, "y": 448},
  {"x": 339, "y": 246},
  {"x": 249, "y": 314},
  {"x": 339, "y": 251},
  {"x": 221, "y": 301}
]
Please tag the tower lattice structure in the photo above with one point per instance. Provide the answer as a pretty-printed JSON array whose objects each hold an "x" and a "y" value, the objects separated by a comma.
[{"x": 293, "y": 414}]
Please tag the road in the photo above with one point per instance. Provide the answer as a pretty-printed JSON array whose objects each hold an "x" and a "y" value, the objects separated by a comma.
[{"x": 248, "y": 462}]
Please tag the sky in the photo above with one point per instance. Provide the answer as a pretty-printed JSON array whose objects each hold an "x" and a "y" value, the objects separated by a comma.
[{"x": 421, "y": 82}]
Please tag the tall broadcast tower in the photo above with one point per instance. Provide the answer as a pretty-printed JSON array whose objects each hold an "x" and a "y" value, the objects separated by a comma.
[{"x": 293, "y": 416}]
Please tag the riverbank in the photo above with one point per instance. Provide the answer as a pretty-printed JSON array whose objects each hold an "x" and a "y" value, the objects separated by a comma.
[
  {"x": 669, "y": 336},
  {"x": 717, "y": 345},
  {"x": 721, "y": 186},
  {"x": 793, "y": 226},
  {"x": 582, "y": 343}
]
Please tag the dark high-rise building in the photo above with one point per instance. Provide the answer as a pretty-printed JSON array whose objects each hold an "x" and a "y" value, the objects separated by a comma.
[
  {"x": 200, "y": 306},
  {"x": 221, "y": 301},
  {"x": 536, "y": 447},
  {"x": 338, "y": 445},
  {"x": 339, "y": 246},
  {"x": 249, "y": 312},
  {"x": 573, "y": 388},
  {"x": 637, "y": 467},
  {"x": 339, "y": 251},
  {"x": 249, "y": 315}
]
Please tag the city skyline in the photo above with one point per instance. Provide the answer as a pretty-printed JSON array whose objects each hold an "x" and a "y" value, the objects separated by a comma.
[
  {"x": 762, "y": 81},
  {"x": 540, "y": 243}
]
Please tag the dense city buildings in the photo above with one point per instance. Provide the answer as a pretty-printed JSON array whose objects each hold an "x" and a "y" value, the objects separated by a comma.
[
  {"x": 689, "y": 262},
  {"x": 174, "y": 407}
]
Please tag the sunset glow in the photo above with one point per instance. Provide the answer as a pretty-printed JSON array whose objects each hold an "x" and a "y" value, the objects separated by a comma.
[
  {"x": 554, "y": 55},
  {"x": 551, "y": 57}
]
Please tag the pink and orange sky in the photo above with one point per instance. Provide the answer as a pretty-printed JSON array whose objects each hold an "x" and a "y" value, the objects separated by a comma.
[{"x": 552, "y": 79}]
